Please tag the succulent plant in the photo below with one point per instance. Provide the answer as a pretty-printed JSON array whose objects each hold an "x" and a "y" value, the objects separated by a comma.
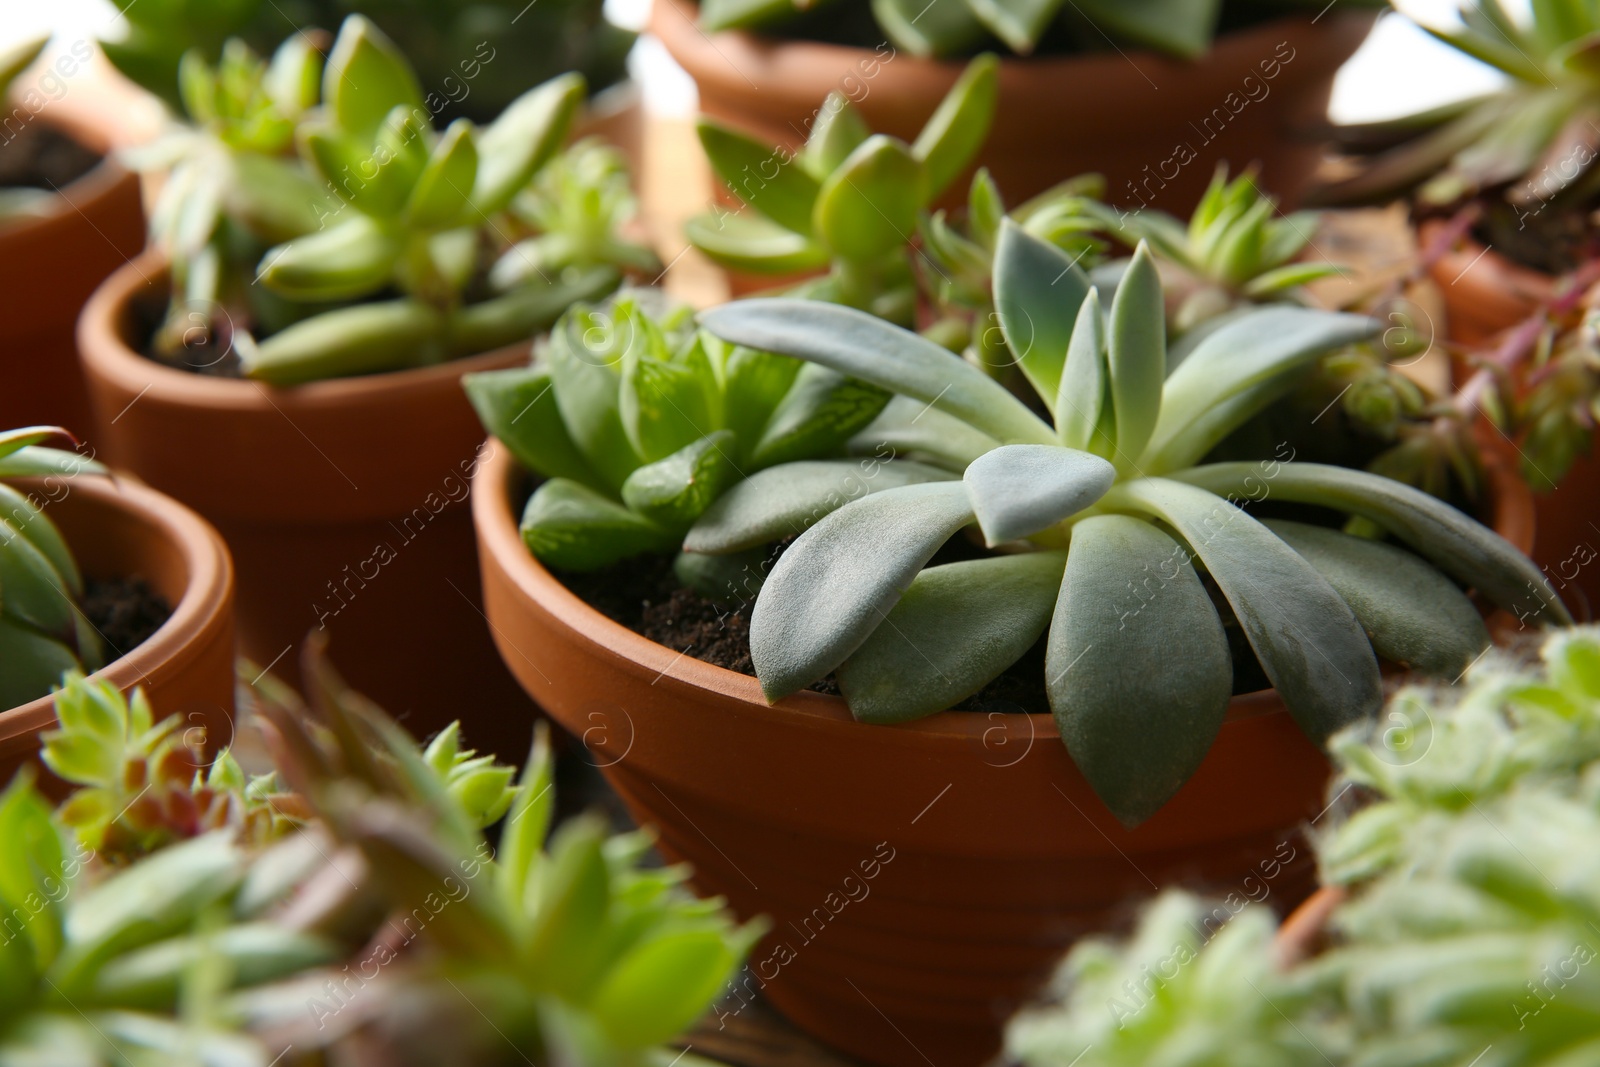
[
  {"x": 43, "y": 633},
  {"x": 1469, "y": 933},
  {"x": 1552, "y": 397},
  {"x": 1106, "y": 518},
  {"x": 473, "y": 59},
  {"x": 353, "y": 237},
  {"x": 849, "y": 200},
  {"x": 638, "y": 421}
]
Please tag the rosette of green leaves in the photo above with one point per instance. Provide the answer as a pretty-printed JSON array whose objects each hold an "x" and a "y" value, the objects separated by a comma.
[
  {"x": 1532, "y": 140},
  {"x": 1237, "y": 248},
  {"x": 637, "y": 421},
  {"x": 231, "y": 183},
  {"x": 43, "y": 633},
  {"x": 416, "y": 211},
  {"x": 848, "y": 201},
  {"x": 1557, "y": 409},
  {"x": 575, "y": 952},
  {"x": 956, "y": 265},
  {"x": 1108, "y": 516}
]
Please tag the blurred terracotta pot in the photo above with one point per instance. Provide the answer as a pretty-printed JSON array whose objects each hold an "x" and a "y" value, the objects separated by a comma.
[
  {"x": 1155, "y": 126},
  {"x": 118, "y": 529},
  {"x": 1304, "y": 934},
  {"x": 922, "y": 879},
  {"x": 344, "y": 503},
  {"x": 1484, "y": 294},
  {"x": 49, "y": 264}
]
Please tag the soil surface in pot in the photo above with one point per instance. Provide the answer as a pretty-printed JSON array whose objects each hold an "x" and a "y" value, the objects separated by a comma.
[
  {"x": 40, "y": 157},
  {"x": 126, "y": 611}
]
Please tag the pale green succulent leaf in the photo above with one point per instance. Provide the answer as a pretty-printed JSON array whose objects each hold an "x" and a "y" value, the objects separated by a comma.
[
  {"x": 765, "y": 177},
  {"x": 518, "y": 406},
  {"x": 1038, "y": 291},
  {"x": 1019, "y": 490},
  {"x": 664, "y": 404},
  {"x": 718, "y": 15},
  {"x": 152, "y": 977},
  {"x": 574, "y": 901},
  {"x": 819, "y": 414},
  {"x": 959, "y": 126},
  {"x": 527, "y": 821},
  {"x": 32, "y": 461},
  {"x": 30, "y": 520},
  {"x": 360, "y": 339},
  {"x": 32, "y": 591},
  {"x": 1136, "y": 342},
  {"x": 929, "y": 30},
  {"x": 868, "y": 207},
  {"x": 749, "y": 242},
  {"x": 442, "y": 195},
  {"x": 1177, "y": 27},
  {"x": 352, "y": 259},
  {"x": 675, "y": 490},
  {"x": 34, "y": 662},
  {"x": 1292, "y": 276},
  {"x": 1019, "y": 23},
  {"x": 572, "y": 527},
  {"x": 366, "y": 77},
  {"x": 583, "y": 355},
  {"x": 662, "y": 985},
  {"x": 911, "y": 429},
  {"x": 1085, "y": 413},
  {"x": 754, "y": 383},
  {"x": 531, "y": 130}
]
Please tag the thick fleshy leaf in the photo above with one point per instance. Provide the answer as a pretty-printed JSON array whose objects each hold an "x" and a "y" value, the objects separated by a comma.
[
  {"x": 1137, "y": 665},
  {"x": 1254, "y": 355},
  {"x": 355, "y": 258},
  {"x": 524, "y": 312},
  {"x": 528, "y": 132},
  {"x": 1085, "y": 415},
  {"x": 442, "y": 195},
  {"x": 910, "y": 429},
  {"x": 1305, "y": 636},
  {"x": 1415, "y": 616},
  {"x": 767, "y": 178},
  {"x": 930, "y": 30},
  {"x": 868, "y": 207},
  {"x": 33, "y": 461},
  {"x": 360, "y": 339},
  {"x": 366, "y": 77},
  {"x": 717, "y": 15},
  {"x": 1019, "y": 23},
  {"x": 674, "y": 491},
  {"x": 960, "y": 124},
  {"x": 786, "y": 500},
  {"x": 663, "y": 985},
  {"x": 527, "y": 821},
  {"x": 817, "y": 416},
  {"x": 586, "y": 387},
  {"x": 1177, "y": 27},
  {"x": 29, "y": 519},
  {"x": 743, "y": 240},
  {"x": 837, "y": 131},
  {"x": 33, "y": 662},
  {"x": 1038, "y": 291},
  {"x": 862, "y": 346},
  {"x": 152, "y": 977},
  {"x": 1454, "y": 542},
  {"x": 956, "y": 629},
  {"x": 665, "y": 404},
  {"x": 31, "y": 589},
  {"x": 574, "y": 901},
  {"x": 835, "y": 584},
  {"x": 570, "y": 526},
  {"x": 1136, "y": 343},
  {"x": 753, "y": 385},
  {"x": 1018, "y": 490},
  {"x": 518, "y": 406}
]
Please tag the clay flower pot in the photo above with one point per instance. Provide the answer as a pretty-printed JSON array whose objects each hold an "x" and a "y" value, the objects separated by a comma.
[
  {"x": 1155, "y": 126},
  {"x": 344, "y": 503},
  {"x": 922, "y": 879},
  {"x": 117, "y": 528},
  {"x": 1484, "y": 294},
  {"x": 49, "y": 264},
  {"x": 1304, "y": 934}
]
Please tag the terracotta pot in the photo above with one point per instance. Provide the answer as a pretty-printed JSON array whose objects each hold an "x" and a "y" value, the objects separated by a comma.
[
  {"x": 49, "y": 265},
  {"x": 1304, "y": 934},
  {"x": 344, "y": 503},
  {"x": 1139, "y": 118},
  {"x": 119, "y": 529},
  {"x": 989, "y": 851},
  {"x": 1484, "y": 294}
]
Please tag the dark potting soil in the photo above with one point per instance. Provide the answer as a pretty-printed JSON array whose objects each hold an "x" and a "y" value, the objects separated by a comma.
[
  {"x": 126, "y": 611},
  {"x": 40, "y": 157},
  {"x": 204, "y": 351}
]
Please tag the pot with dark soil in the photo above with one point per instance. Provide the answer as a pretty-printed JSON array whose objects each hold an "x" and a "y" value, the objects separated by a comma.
[
  {"x": 289, "y": 360},
  {"x": 68, "y": 217},
  {"x": 112, "y": 579},
  {"x": 1086, "y": 580},
  {"x": 1154, "y": 104}
]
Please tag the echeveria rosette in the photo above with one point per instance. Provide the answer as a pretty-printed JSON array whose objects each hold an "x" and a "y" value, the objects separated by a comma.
[
  {"x": 1106, "y": 521},
  {"x": 637, "y": 422},
  {"x": 43, "y": 632},
  {"x": 848, "y": 201}
]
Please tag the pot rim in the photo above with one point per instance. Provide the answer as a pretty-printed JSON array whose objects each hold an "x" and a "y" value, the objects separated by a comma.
[
  {"x": 1505, "y": 281},
  {"x": 742, "y": 49},
  {"x": 206, "y": 596},
  {"x": 492, "y": 512},
  {"x": 105, "y": 351}
]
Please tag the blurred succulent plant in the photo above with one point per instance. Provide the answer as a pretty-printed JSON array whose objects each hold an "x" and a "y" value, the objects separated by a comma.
[
  {"x": 1178, "y": 27},
  {"x": 20, "y": 200},
  {"x": 1104, "y": 516},
  {"x": 1556, "y": 402},
  {"x": 1470, "y": 935},
  {"x": 1236, "y": 249},
  {"x": 461, "y": 49},
  {"x": 639, "y": 421},
  {"x": 848, "y": 201},
  {"x": 43, "y": 633},
  {"x": 576, "y": 955}
]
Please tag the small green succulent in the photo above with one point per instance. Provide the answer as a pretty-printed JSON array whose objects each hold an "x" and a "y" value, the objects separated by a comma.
[
  {"x": 1555, "y": 400},
  {"x": 638, "y": 422},
  {"x": 43, "y": 633},
  {"x": 848, "y": 201},
  {"x": 1107, "y": 519},
  {"x": 473, "y": 58},
  {"x": 1470, "y": 933}
]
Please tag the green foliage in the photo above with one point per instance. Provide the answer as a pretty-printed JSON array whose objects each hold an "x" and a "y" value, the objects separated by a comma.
[
  {"x": 1114, "y": 481},
  {"x": 42, "y": 630},
  {"x": 849, "y": 200},
  {"x": 313, "y": 205},
  {"x": 473, "y": 59},
  {"x": 639, "y": 422},
  {"x": 1469, "y": 932}
]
